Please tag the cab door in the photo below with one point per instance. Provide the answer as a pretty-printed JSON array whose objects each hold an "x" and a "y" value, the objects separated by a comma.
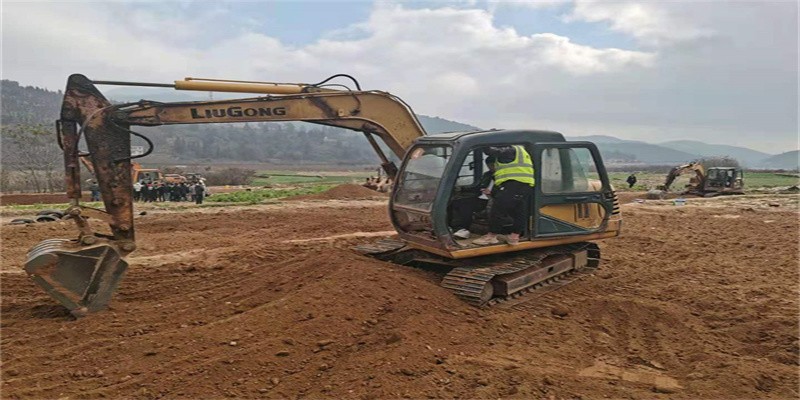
[{"x": 572, "y": 194}]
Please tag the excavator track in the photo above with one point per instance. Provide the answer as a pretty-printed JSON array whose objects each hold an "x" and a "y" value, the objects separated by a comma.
[
  {"x": 490, "y": 280},
  {"x": 496, "y": 281}
]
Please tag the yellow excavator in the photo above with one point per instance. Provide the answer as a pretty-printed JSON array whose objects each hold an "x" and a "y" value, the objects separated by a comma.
[
  {"x": 705, "y": 182},
  {"x": 572, "y": 204},
  {"x": 138, "y": 174}
]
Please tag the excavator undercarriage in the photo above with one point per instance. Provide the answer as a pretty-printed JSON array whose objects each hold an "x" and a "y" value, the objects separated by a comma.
[{"x": 488, "y": 280}]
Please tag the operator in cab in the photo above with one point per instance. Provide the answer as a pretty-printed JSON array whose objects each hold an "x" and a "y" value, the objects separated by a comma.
[
  {"x": 462, "y": 209},
  {"x": 513, "y": 181}
]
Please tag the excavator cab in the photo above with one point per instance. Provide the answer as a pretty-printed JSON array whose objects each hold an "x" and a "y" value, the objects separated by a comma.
[
  {"x": 723, "y": 178},
  {"x": 571, "y": 199}
]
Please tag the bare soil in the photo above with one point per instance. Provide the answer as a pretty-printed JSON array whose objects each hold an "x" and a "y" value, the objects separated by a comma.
[
  {"x": 690, "y": 302},
  {"x": 36, "y": 198},
  {"x": 347, "y": 191}
]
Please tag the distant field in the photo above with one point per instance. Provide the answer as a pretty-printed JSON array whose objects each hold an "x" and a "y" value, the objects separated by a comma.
[
  {"x": 272, "y": 177},
  {"x": 752, "y": 180},
  {"x": 768, "y": 179},
  {"x": 260, "y": 195},
  {"x": 646, "y": 180}
]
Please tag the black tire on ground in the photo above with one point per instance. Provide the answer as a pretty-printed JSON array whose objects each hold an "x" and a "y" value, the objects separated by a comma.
[
  {"x": 21, "y": 221},
  {"x": 46, "y": 218},
  {"x": 55, "y": 213}
]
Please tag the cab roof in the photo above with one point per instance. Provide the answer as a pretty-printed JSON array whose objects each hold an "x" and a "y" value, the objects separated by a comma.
[{"x": 493, "y": 136}]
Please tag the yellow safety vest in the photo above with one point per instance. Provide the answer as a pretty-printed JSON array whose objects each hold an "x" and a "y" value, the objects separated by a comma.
[{"x": 521, "y": 169}]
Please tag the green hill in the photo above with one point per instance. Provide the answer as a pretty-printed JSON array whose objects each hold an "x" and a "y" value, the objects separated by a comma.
[
  {"x": 28, "y": 104},
  {"x": 788, "y": 160},
  {"x": 434, "y": 125},
  {"x": 746, "y": 157},
  {"x": 648, "y": 153},
  {"x": 597, "y": 139},
  {"x": 290, "y": 141},
  {"x": 614, "y": 148}
]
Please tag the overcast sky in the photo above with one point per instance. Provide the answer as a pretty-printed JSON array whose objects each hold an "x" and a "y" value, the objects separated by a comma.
[{"x": 717, "y": 71}]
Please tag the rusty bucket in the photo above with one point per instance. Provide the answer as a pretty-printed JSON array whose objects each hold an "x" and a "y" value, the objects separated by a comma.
[{"x": 80, "y": 277}]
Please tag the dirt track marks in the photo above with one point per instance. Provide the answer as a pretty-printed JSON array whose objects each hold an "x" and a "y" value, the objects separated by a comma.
[{"x": 707, "y": 301}]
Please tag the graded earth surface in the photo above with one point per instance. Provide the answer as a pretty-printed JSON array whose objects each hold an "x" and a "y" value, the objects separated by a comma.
[{"x": 698, "y": 301}]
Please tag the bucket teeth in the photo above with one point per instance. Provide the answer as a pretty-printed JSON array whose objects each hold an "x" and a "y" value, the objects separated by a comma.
[{"x": 82, "y": 278}]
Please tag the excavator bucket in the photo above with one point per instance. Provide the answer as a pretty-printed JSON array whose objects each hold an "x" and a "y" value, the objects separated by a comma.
[{"x": 82, "y": 278}]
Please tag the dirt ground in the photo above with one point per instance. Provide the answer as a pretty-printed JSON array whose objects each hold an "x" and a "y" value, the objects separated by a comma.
[
  {"x": 690, "y": 302},
  {"x": 343, "y": 192},
  {"x": 36, "y": 198}
]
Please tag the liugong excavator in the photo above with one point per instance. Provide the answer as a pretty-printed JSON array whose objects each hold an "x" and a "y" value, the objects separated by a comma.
[{"x": 572, "y": 205}]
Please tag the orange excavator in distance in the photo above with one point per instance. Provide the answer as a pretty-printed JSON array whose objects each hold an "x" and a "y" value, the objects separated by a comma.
[
  {"x": 138, "y": 174},
  {"x": 572, "y": 204}
]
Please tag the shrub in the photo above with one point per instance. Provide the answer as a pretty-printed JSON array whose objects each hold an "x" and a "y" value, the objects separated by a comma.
[{"x": 230, "y": 176}]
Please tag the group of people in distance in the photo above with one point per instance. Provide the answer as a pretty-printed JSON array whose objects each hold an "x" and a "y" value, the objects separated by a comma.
[{"x": 147, "y": 191}]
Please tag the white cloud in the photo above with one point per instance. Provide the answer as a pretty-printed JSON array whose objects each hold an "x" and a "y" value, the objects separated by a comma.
[
  {"x": 532, "y": 4},
  {"x": 458, "y": 63},
  {"x": 651, "y": 23},
  {"x": 146, "y": 42},
  {"x": 558, "y": 50}
]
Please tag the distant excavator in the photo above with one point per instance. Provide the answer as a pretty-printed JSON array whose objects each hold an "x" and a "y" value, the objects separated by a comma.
[
  {"x": 714, "y": 181},
  {"x": 572, "y": 202},
  {"x": 139, "y": 174},
  {"x": 380, "y": 182}
]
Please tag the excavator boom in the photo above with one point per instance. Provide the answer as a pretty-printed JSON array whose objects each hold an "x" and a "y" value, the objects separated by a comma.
[{"x": 82, "y": 274}]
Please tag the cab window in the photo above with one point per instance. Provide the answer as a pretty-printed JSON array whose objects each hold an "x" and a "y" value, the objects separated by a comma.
[
  {"x": 420, "y": 176},
  {"x": 569, "y": 170},
  {"x": 470, "y": 168}
]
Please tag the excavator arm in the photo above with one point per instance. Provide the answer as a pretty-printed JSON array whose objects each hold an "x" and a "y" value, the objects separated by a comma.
[
  {"x": 82, "y": 274},
  {"x": 674, "y": 173}
]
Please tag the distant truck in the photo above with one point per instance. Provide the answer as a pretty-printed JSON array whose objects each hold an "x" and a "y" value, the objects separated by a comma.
[{"x": 174, "y": 178}]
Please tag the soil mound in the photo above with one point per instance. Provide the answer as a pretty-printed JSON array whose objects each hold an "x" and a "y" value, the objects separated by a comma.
[
  {"x": 346, "y": 191},
  {"x": 227, "y": 305}
]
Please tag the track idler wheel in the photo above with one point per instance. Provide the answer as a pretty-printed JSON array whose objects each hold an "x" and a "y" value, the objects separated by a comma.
[{"x": 80, "y": 277}]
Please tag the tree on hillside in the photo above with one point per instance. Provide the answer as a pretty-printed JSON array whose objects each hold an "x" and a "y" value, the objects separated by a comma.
[
  {"x": 230, "y": 176},
  {"x": 28, "y": 104},
  {"x": 710, "y": 162},
  {"x": 32, "y": 151}
]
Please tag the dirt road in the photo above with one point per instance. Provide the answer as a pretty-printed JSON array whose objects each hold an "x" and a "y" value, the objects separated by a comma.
[{"x": 690, "y": 302}]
